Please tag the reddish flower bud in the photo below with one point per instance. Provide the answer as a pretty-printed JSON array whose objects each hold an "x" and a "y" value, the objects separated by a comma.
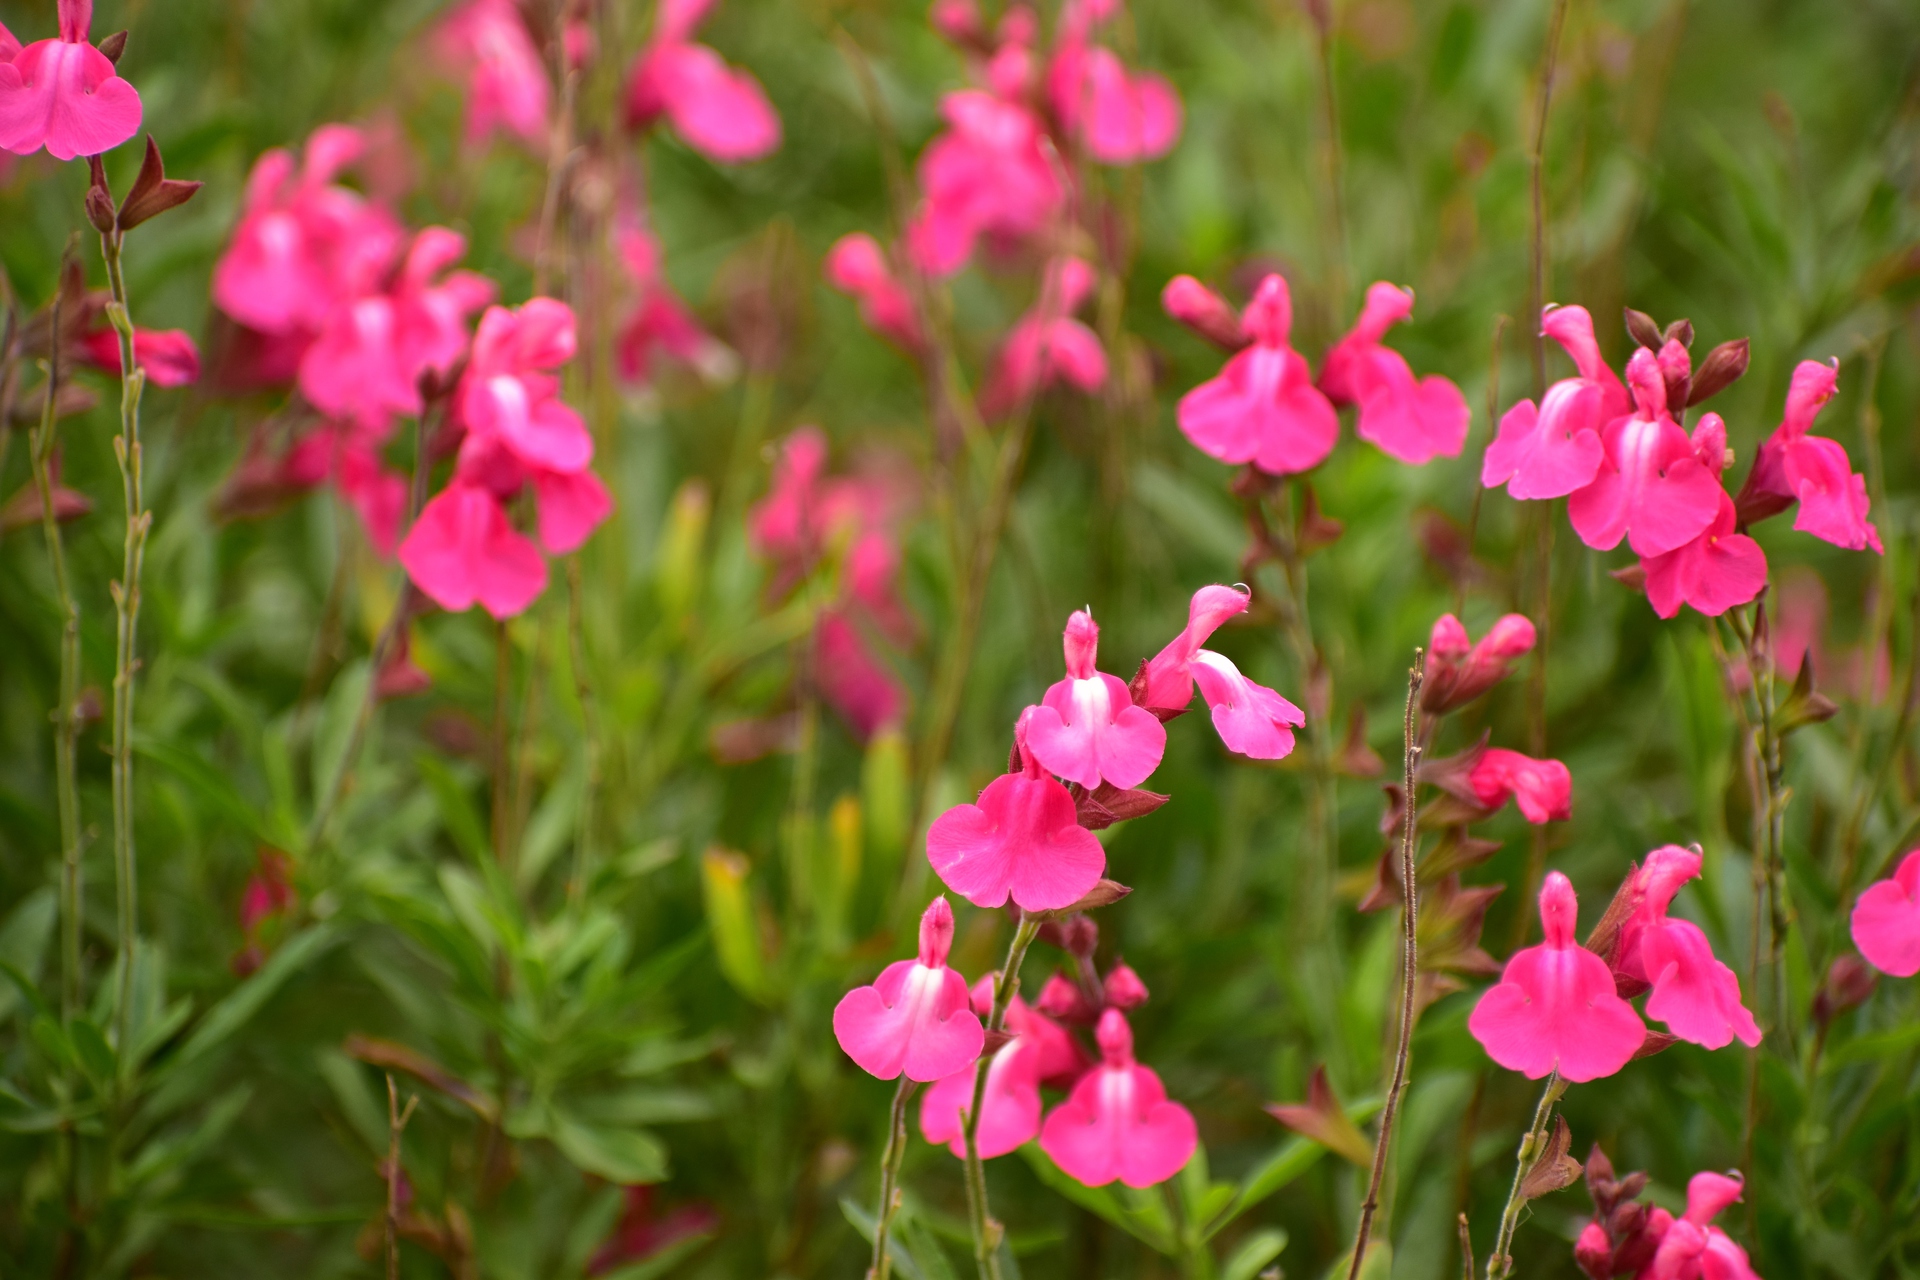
[
  {"x": 1203, "y": 311},
  {"x": 1124, "y": 990},
  {"x": 1594, "y": 1252}
]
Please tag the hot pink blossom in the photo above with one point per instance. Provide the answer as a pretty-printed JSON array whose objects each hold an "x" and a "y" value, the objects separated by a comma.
[
  {"x": 1123, "y": 117},
  {"x": 660, "y": 321},
  {"x": 168, "y": 356},
  {"x": 463, "y": 551},
  {"x": 1048, "y": 345},
  {"x": 1086, "y": 728},
  {"x": 1717, "y": 571},
  {"x": 1651, "y": 488},
  {"x": 63, "y": 94},
  {"x": 720, "y": 112},
  {"x": 857, "y": 266},
  {"x": 916, "y": 1017},
  {"x": 1118, "y": 1122},
  {"x": 1009, "y": 1110},
  {"x": 1251, "y": 719},
  {"x": 508, "y": 394},
  {"x": 1169, "y": 674},
  {"x": 1814, "y": 471},
  {"x": 1022, "y": 840},
  {"x": 988, "y": 175},
  {"x": 506, "y": 80},
  {"x": 1123, "y": 988},
  {"x": 1692, "y": 1248},
  {"x": 1543, "y": 789},
  {"x": 1555, "y": 1006},
  {"x": 855, "y": 682},
  {"x": 1693, "y": 993},
  {"x": 1263, "y": 407},
  {"x": 1061, "y": 1060},
  {"x": 1551, "y": 451},
  {"x": 1412, "y": 419},
  {"x": 1886, "y": 921},
  {"x": 1457, "y": 671}
]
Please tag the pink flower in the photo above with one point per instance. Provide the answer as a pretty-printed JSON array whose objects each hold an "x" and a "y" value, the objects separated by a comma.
[
  {"x": 1886, "y": 921},
  {"x": 1651, "y": 488},
  {"x": 1552, "y": 451},
  {"x": 1009, "y": 1110},
  {"x": 63, "y": 94},
  {"x": 168, "y": 356},
  {"x": 916, "y": 1017},
  {"x": 1250, "y": 718},
  {"x": 1458, "y": 672},
  {"x": 1263, "y": 407},
  {"x": 988, "y": 175},
  {"x": 1693, "y": 993},
  {"x": 1554, "y": 1006},
  {"x": 1814, "y": 471},
  {"x": 1693, "y": 1249},
  {"x": 1543, "y": 789},
  {"x": 506, "y": 80},
  {"x": 857, "y": 266},
  {"x": 463, "y": 551},
  {"x": 1048, "y": 345},
  {"x": 1166, "y": 683},
  {"x": 721, "y": 113},
  {"x": 304, "y": 245},
  {"x": 1123, "y": 118},
  {"x": 854, "y": 682},
  {"x": 1413, "y": 420},
  {"x": 507, "y": 394},
  {"x": 1022, "y": 840},
  {"x": 1086, "y": 728},
  {"x": 660, "y": 321},
  {"x": 1717, "y": 571},
  {"x": 1204, "y": 311},
  {"x": 1117, "y": 1122}
]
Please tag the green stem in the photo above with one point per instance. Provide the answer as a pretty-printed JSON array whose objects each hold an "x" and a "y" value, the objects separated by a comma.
[
  {"x": 890, "y": 1161},
  {"x": 987, "y": 1232},
  {"x": 1536, "y": 163},
  {"x": 1500, "y": 1261}
]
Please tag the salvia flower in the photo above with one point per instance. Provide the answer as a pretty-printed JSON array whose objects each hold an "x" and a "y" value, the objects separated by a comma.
[
  {"x": 463, "y": 551},
  {"x": 1086, "y": 729},
  {"x": 1886, "y": 921},
  {"x": 1719, "y": 570},
  {"x": 1552, "y": 450},
  {"x": 63, "y": 94},
  {"x": 1263, "y": 407},
  {"x": 1411, "y": 419},
  {"x": 1021, "y": 841},
  {"x": 1250, "y": 718},
  {"x": 1692, "y": 1248},
  {"x": 720, "y": 112},
  {"x": 857, "y": 266},
  {"x": 1793, "y": 466},
  {"x": 1009, "y": 1110},
  {"x": 917, "y": 1017},
  {"x": 1650, "y": 487},
  {"x": 1165, "y": 684},
  {"x": 1555, "y": 1007},
  {"x": 168, "y": 356},
  {"x": 1122, "y": 117},
  {"x": 1118, "y": 1123},
  {"x": 1541, "y": 789},
  {"x": 1047, "y": 345},
  {"x": 1458, "y": 671},
  {"x": 1696, "y": 995},
  {"x": 988, "y": 175},
  {"x": 507, "y": 88}
]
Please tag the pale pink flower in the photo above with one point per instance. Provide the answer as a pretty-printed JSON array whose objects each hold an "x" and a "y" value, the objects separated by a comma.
[
  {"x": 1692, "y": 1248},
  {"x": 463, "y": 551},
  {"x": 857, "y": 266},
  {"x": 1651, "y": 487},
  {"x": 1458, "y": 671},
  {"x": 720, "y": 112},
  {"x": 1886, "y": 921},
  {"x": 1021, "y": 841},
  {"x": 1086, "y": 728},
  {"x": 987, "y": 175},
  {"x": 168, "y": 356},
  {"x": 1556, "y": 449},
  {"x": 1047, "y": 345},
  {"x": 63, "y": 94},
  {"x": 1814, "y": 471},
  {"x": 1412, "y": 419},
  {"x": 1166, "y": 684},
  {"x": 1693, "y": 993},
  {"x": 1263, "y": 407},
  {"x": 1543, "y": 789},
  {"x": 507, "y": 88},
  {"x": 1555, "y": 1006},
  {"x": 1118, "y": 1122},
  {"x": 917, "y": 1016}
]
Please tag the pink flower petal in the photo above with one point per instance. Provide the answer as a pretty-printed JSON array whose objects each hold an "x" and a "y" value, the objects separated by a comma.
[
  {"x": 1886, "y": 921},
  {"x": 63, "y": 95},
  {"x": 916, "y": 1017},
  {"x": 1251, "y": 719},
  {"x": 462, "y": 551},
  {"x": 1117, "y": 1122},
  {"x": 1009, "y": 1110},
  {"x": 1717, "y": 571},
  {"x": 1022, "y": 840}
]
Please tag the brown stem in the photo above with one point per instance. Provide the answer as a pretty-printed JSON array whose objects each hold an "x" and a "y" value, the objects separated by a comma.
[
  {"x": 1466, "y": 1250},
  {"x": 1409, "y": 965},
  {"x": 396, "y": 1125}
]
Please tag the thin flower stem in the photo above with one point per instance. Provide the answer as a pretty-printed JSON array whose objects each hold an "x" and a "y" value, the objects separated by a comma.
[
  {"x": 1409, "y": 965},
  {"x": 890, "y": 1161},
  {"x": 1466, "y": 1250},
  {"x": 1536, "y": 162},
  {"x": 396, "y": 1125},
  {"x": 126, "y": 600},
  {"x": 1500, "y": 1261},
  {"x": 1324, "y": 16},
  {"x": 583, "y": 850},
  {"x": 987, "y": 1232},
  {"x": 502, "y": 756}
]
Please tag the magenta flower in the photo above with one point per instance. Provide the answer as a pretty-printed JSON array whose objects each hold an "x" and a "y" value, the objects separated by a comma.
[
  {"x": 1022, "y": 840},
  {"x": 1650, "y": 488},
  {"x": 509, "y": 397},
  {"x": 1166, "y": 683},
  {"x": 1814, "y": 471},
  {"x": 1263, "y": 407},
  {"x": 1543, "y": 789},
  {"x": 916, "y": 1017},
  {"x": 857, "y": 266},
  {"x": 1554, "y": 450},
  {"x": 1555, "y": 1007},
  {"x": 1459, "y": 671},
  {"x": 167, "y": 356},
  {"x": 1009, "y": 1111},
  {"x": 988, "y": 175},
  {"x": 721, "y": 113},
  {"x": 1117, "y": 1122},
  {"x": 1086, "y": 728},
  {"x": 63, "y": 94},
  {"x": 1692, "y": 1248},
  {"x": 853, "y": 680},
  {"x": 1205, "y": 312},
  {"x": 1886, "y": 921},
  {"x": 488, "y": 41},
  {"x": 1250, "y": 718},
  {"x": 659, "y": 322},
  {"x": 1413, "y": 420},
  {"x": 463, "y": 551},
  {"x": 1123, "y": 118},
  {"x": 1048, "y": 345},
  {"x": 1717, "y": 571},
  {"x": 1693, "y": 993}
]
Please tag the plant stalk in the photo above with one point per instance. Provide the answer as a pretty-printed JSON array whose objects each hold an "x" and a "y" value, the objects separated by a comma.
[
  {"x": 987, "y": 1232},
  {"x": 890, "y": 1160},
  {"x": 1500, "y": 1261}
]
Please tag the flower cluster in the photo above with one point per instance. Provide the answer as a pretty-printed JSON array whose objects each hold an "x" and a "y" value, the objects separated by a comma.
[
  {"x": 62, "y": 94},
  {"x": 1629, "y": 1238},
  {"x": 1630, "y": 470},
  {"x": 1266, "y": 408}
]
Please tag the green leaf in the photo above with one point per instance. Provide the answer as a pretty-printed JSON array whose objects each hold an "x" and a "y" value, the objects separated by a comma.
[
  {"x": 626, "y": 1156},
  {"x": 213, "y": 787},
  {"x": 95, "y": 1055},
  {"x": 903, "y": 1260},
  {"x": 457, "y": 813},
  {"x": 1289, "y": 1160},
  {"x": 334, "y": 734},
  {"x": 1136, "y": 1217},
  {"x": 181, "y": 1147},
  {"x": 23, "y": 941},
  {"x": 1255, "y": 1251}
]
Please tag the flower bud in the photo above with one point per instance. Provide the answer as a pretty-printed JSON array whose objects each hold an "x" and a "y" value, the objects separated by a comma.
[
  {"x": 1849, "y": 982},
  {"x": 1082, "y": 645},
  {"x": 1642, "y": 329},
  {"x": 1061, "y": 999},
  {"x": 1124, "y": 990},
  {"x": 1203, "y": 311},
  {"x": 1721, "y": 369},
  {"x": 1676, "y": 367},
  {"x": 1594, "y": 1252}
]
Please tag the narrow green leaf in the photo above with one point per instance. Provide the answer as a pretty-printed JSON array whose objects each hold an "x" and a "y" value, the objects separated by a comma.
[{"x": 1256, "y": 1251}]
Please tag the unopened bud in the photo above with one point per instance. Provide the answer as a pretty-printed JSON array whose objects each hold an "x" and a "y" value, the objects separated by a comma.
[
  {"x": 1680, "y": 331},
  {"x": 1849, "y": 982},
  {"x": 1723, "y": 367},
  {"x": 113, "y": 46},
  {"x": 1642, "y": 329},
  {"x": 1123, "y": 988},
  {"x": 1594, "y": 1252},
  {"x": 1203, "y": 311}
]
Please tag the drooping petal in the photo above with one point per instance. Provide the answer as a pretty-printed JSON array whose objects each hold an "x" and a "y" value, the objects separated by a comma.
[
  {"x": 1886, "y": 921},
  {"x": 1696, "y": 995},
  {"x": 1169, "y": 678},
  {"x": 721, "y": 112},
  {"x": 1251, "y": 719},
  {"x": 1717, "y": 571},
  {"x": 463, "y": 551},
  {"x": 1021, "y": 840},
  {"x": 1832, "y": 496},
  {"x": 571, "y": 506}
]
